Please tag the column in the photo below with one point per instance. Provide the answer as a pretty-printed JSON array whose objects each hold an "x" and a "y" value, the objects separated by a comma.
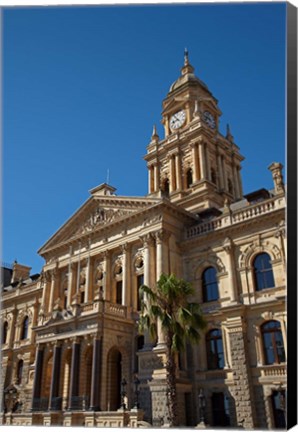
[
  {"x": 172, "y": 173},
  {"x": 95, "y": 377},
  {"x": 156, "y": 178},
  {"x": 78, "y": 274},
  {"x": 70, "y": 283},
  {"x": 107, "y": 276},
  {"x": 125, "y": 274},
  {"x": 224, "y": 174},
  {"x": 147, "y": 241},
  {"x": 226, "y": 348},
  {"x": 162, "y": 266},
  {"x": 37, "y": 378},
  {"x": 228, "y": 248},
  {"x": 235, "y": 177},
  {"x": 195, "y": 157},
  {"x": 239, "y": 182},
  {"x": 202, "y": 160},
  {"x": 208, "y": 174},
  {"x": 54, "y": 391},
  {"x": 47, "y": 280},
  {"x": 178, "y": 171},
  {"x": 151, "y": 179},
  {"x": 219, "y": 167},
  {"x": 74, "y": 375},
  {"x": 52, "y": 289},
  {"x": 87, "y": 288}
]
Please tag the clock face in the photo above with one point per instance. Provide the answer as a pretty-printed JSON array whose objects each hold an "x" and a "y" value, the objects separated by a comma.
[
  {"x": 177, "y": 120},
  {"x": 209, "y": 119}
]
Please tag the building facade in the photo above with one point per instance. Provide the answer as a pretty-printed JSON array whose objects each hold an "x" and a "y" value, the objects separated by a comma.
[{"x": 71, "y": 348}]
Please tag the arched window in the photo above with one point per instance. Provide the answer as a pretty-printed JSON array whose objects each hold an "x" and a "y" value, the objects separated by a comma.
[
  {"x": 273, "y": 342},
  {"x": 215, "y": 355},
  {"x": 24, "y": 333},
  {"x": 20, "y": 372},
  {"x": 263, "y": 275},
  {"x": 209, "y": 284},
  {"x": 189, "y": 178},
  {"x": 4, "y": 332}
]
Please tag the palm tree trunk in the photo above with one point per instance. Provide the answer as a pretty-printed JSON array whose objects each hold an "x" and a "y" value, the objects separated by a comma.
[{"x": 171, "y": 386}]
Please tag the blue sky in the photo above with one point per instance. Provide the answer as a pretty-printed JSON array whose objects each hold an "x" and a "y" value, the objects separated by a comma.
[{"x": 83, "y": 86}]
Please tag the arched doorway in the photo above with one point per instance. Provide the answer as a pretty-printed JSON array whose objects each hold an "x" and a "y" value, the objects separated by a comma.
[{"x": 114, "y": 379}]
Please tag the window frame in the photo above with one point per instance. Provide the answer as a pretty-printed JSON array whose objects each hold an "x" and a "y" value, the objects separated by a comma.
[
  {"x": 25, "y": 328},
  {"x": 205, "y": 286},
  {"x": 273, "y": 331},
  {"x": 213, "y": 340},
  {"x": 261, "y": 275}
]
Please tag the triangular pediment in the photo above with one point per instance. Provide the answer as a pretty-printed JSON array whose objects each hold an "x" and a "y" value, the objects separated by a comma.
[{"x": 97, "y": 212}]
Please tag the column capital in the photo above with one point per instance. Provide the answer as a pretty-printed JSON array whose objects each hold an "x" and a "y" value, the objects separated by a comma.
[
  {"x": 147, "y": 239},
  {"x": 162, "y": 235},
  {"x": 47, "y": 275},
  {"x": 54, "y": 274},
  {"x": 125, "y": 248},
  {"x": 75, "y": 340}
]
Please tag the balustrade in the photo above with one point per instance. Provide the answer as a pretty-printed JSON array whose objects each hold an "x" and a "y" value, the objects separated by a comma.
[{"x": 237, "y": 216}]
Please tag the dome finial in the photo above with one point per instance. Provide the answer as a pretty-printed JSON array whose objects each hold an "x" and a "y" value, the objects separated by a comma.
[
  {"x": 187, "y": 67},
  {"x": 186, "y": 57}
]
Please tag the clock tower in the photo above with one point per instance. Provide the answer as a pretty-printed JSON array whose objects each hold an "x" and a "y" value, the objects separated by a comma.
[{"x": 194, "y": 166}]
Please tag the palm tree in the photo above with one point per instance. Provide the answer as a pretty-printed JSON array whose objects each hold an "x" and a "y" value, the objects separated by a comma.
[{"x": 180, "y": 320}]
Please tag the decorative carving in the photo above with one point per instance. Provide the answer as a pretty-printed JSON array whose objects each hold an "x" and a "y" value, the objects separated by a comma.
[
  {"x": 162, "y": 235},
  {"x": 253, "y": 249},
  {"x": 102, "y": 217},
  {"x": 209, "y": 260}
]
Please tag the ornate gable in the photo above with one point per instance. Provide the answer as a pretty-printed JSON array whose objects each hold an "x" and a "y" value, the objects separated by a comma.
[{"x": 97, "y": 212}]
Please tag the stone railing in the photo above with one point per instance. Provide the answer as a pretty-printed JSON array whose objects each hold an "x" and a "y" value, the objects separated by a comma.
[
  {"x": 253, "y": 211},
  {"x": 115, "y": 309},
  {"x": 276, "y": 371},
  {"x": 236, "y": 216}
]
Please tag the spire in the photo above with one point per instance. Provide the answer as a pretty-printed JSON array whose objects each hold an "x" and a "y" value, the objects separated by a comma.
[
  {"x": 185, "y": 56},
  {"x": 155, "y": 136},
  {"x": 187, "y": 68},
  {"x": 229, "y": 136}
]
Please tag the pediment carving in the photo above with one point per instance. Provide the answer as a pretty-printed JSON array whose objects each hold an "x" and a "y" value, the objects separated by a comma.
[{"x": 101, "y": 216}]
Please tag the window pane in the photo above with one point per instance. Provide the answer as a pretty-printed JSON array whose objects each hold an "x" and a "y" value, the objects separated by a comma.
[
  {"x": 268, "y": 279},
  {"x": 263, "y": 272},
  {"x": 210, "y": 287},
  {"x": 215, "y": 356},
  {"x": 268, "y": 347},
  {"x": 279, "y": 347}
]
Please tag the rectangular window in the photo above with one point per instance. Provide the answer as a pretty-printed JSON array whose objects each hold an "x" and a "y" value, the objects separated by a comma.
[{"x": 119, "y": 292}]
